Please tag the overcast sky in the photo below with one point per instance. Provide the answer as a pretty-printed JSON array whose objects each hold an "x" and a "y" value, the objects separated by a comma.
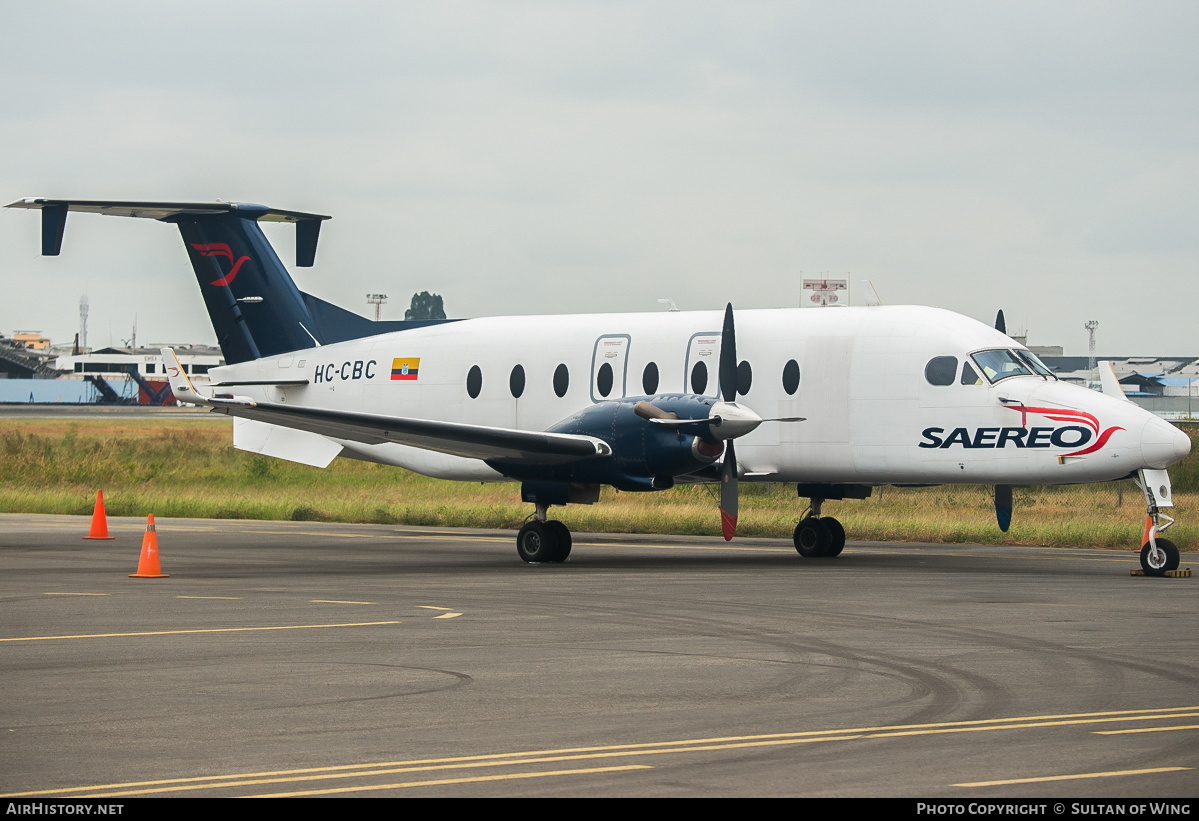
[{"x": 546, "y": 157}]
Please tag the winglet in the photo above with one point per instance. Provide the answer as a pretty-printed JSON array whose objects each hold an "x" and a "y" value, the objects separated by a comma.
[{"x": 1109, "y": 382}]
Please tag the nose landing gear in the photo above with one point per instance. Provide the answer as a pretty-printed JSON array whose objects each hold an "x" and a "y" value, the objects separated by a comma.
[{"x": 1158, "y": 556}]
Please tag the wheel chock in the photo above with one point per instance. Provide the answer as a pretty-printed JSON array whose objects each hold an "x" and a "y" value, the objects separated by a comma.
[
  {"x": 99, "y": 528},
  {"x": 1185, "y": 573},
  {"x": 147, "y": 565}
]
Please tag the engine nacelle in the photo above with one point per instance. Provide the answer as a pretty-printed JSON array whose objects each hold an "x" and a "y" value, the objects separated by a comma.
[{"x": 645, "y": 456}]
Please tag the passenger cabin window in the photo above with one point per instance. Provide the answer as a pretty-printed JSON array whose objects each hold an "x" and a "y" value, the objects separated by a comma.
[
  {"x": 603, "y": 379},
  {"x": 474, "y": 382},
  {"x": 516, "y": 381},
  {"x": 970, "y": 376},
  {"x": 649, "y": 378},
  {"x": 745, "y": 377},
  {"x": 1000, "y": 364},
  {"x": 941, "y": 370},
  {"x": 791, "y": 377},
  {"x": 561, "y": 380},
  {"x": 699, "y": 378}
]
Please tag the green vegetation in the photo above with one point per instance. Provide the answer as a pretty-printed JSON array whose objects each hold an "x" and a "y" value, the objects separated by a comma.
[{"x": 187, "y": 467}]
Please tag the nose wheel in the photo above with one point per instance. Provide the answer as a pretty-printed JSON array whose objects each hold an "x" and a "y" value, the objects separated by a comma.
[{"x": 1160, "y": 558}]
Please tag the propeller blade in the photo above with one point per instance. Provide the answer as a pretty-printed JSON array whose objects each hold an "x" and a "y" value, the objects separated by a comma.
[
  {"x": 651, "y": 412},
  {"x": 728, "y": 357},
  {"x": 728, "y": 493},
  {"x": 1003, "y": 506},
  {"x": 1000, "y": 325}
]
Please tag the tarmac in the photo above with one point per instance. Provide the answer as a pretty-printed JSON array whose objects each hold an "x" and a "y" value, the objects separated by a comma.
[{"x": 298, "y": 658}]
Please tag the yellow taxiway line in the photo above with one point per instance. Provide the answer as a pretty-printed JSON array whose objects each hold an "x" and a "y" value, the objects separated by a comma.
[
  {"x": 208, "y": 630},
  {"x": 676, "y": 747}
]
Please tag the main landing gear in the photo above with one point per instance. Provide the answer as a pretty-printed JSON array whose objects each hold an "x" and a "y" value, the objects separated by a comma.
[
  {"x": 818, "y": 536},
  {"x": 542, "y": 540}
]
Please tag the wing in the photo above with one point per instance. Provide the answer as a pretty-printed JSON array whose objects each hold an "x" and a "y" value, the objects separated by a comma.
[{"x": 472, "y": 441}]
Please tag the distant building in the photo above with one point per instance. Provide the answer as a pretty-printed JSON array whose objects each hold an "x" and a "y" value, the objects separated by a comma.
[
  {"x": 197, "y": 360},
  {"x": 32, "y": 340}
]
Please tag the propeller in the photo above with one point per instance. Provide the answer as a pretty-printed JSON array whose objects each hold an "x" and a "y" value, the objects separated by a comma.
[
  {"x": 1003, "y": 493},
  {"x": 733, "y": 420},
  {"x": 1003, "y": 506},
  {"x": 726, "y": 420},
  {"x": 728, "y": 392}
]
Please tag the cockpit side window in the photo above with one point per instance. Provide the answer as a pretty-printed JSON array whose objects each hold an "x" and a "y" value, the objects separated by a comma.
[
  {"x": 970, "y": 376},
  {"x": 941, "y": 370},
  {"x": 1000, "y": 364}
]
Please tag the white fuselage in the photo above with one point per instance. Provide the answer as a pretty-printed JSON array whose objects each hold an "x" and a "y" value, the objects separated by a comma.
[{"x": 872, "y": 416}]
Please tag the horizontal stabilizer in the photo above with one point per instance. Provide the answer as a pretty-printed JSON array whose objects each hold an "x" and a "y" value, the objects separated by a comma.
[{"x": 54, "y": 218}]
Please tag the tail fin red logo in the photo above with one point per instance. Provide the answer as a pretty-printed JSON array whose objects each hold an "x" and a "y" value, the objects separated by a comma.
[{"x": 220, "y": 249}]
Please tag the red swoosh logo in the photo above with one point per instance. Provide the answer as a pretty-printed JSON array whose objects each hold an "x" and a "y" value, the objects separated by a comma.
[
  {"x": 220, "y": 249},
  {"x": 1067, "y": 415},
  {"x": 228, "y": 278},
  {"x": 1103, "y": 437}
]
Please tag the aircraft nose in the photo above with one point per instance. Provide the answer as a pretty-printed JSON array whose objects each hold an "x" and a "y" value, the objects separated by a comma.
[{"x": 1162, "y": 444}]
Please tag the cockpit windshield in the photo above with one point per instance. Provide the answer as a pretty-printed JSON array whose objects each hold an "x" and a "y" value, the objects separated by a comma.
[
  {"x": 1036, "y": 364},
  {"x": 1000, "y": 364}
]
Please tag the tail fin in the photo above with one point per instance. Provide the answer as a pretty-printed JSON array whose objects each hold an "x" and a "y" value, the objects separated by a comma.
[{"x": 255, "y": 307}]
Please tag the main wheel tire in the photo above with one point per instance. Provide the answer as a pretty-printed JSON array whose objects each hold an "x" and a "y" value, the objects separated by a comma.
[
  {"x": 1165, "y": 559},
  {"x": 562, "y": 534},
  {"x": 536, "y": 543},
  {"x": 837, "y": 544},
  {"x": 812, "y": 538}
]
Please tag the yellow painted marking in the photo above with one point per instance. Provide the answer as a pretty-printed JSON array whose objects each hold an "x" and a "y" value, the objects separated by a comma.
[
  {"x": 445, "y": 781},
  {"x": 449, "y": 614},
  {"x": 76, "y": 594},
  {"x": 335, "y": 601},
  {"x": 211, "y": 630},
  {"x": 1148, "y": 730},
  {"x": 1044, "y": 778},
  {"x": 620, "y": 750},
  {"x": 223, "y": 598}
]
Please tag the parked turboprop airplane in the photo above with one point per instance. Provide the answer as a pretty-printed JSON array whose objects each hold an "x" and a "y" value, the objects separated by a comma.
[{"x": 855, "y": 397}]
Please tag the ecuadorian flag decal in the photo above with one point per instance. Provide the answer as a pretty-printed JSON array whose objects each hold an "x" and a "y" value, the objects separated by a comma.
[{"x": 406, "y": 368}]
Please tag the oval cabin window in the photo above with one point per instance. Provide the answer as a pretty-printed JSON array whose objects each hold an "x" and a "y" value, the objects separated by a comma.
[
  {"x": 603, "y": 379},
  {"x": 561, "y": 380},
  {"x": 649, "y": 378},
  {"x": 791, "y": 377}
]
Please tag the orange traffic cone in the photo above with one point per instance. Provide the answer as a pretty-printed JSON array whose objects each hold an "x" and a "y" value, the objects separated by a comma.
[
  {"x": 99, "y": 528},
  {"x": 148, "y": 566}
]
